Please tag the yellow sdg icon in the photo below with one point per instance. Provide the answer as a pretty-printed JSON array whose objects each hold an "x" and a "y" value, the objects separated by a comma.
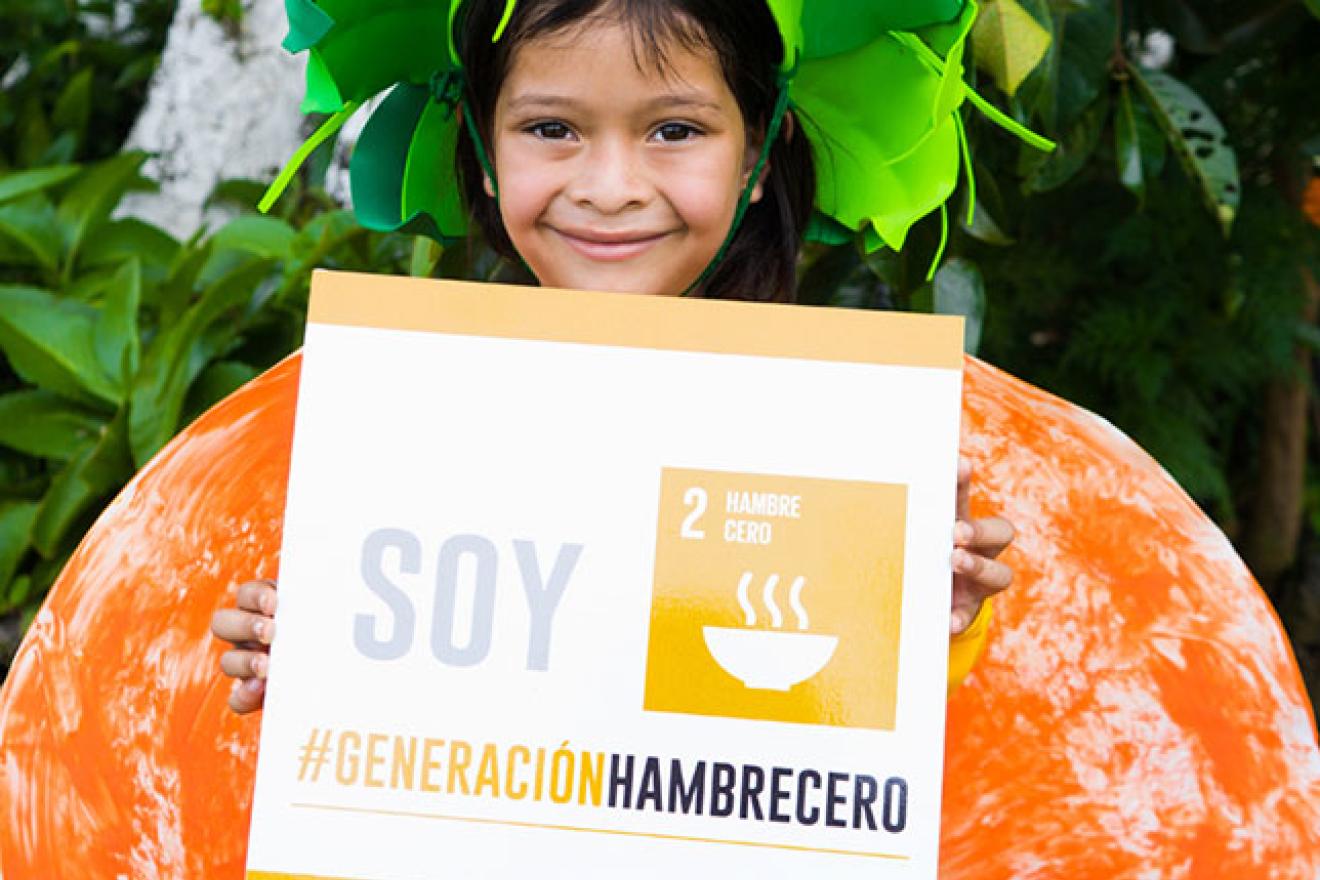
[{"x": 776, "y": 598}]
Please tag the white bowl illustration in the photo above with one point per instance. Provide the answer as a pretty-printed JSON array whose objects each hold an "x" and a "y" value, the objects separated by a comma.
[{"x": 768, "y": 659}]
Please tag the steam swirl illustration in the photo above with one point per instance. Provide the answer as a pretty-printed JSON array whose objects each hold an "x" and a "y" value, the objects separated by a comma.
[
  {"x": 770, "y": 659},
  {"x": 768, "y": 598}
]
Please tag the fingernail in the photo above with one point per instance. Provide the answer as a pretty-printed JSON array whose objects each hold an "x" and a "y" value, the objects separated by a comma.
[
  {"x": 268, "y": 603},
  {"x": 260, "y": 664},
  {"x": 962, "y": 560},
  {"x": 254, "y": 685},
  {"x": 963, "y": 532},
  {"x": 258, "y": 628}
]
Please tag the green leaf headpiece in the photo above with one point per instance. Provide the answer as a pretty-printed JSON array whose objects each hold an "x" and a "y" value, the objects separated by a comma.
[{"x": 878, "y": 85}]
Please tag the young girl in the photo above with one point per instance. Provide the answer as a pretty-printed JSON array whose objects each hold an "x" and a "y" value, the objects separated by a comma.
[{"x": 636, "y": 146}]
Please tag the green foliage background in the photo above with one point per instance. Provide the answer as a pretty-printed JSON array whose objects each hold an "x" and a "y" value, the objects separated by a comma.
[{"x": 1153, "y": 268}]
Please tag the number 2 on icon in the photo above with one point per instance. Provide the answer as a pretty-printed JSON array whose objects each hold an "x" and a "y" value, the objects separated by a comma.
[{"x": 696, "y": 499}]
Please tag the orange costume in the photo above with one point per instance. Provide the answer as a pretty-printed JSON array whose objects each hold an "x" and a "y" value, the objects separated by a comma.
[{"x": 1137, "y": 711}]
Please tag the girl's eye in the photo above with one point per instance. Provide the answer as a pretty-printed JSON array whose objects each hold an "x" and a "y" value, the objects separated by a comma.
[
  {"x": 675, "y": 132},
  {"x": 550, "y": 131}
]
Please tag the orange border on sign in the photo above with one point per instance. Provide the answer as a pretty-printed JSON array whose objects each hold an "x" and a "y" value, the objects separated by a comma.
[{"x": 672, "y": 323}]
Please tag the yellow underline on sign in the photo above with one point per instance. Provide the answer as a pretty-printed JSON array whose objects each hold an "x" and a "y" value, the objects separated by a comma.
[{"x": 472, "y": 820}]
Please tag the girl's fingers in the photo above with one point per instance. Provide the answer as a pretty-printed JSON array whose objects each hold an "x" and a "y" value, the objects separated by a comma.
[
  {"x": 961, "y": 617},
  {"x": 257, "y": 596},
  {"x": 245, "y": 664},
  {"x": 237, "y": 627},
  {"x": 988, "y": 536},
  {"x": 981, "y": 577},
  {"x": 247, "y": 695},
  {"x": 964, "y": 487}
]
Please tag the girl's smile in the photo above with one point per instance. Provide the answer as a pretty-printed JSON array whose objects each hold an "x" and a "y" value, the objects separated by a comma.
[
  {"x": 606, "y": 246},
  {"x": 614, "y": 173}
]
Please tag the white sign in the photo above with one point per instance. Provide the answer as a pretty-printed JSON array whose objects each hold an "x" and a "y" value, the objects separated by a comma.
[{"x": 593, "y": 585}]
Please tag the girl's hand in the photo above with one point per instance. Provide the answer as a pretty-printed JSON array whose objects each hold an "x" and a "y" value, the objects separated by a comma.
[
  {"x": 976, "y": 574},
  {"x": 249, "y": 628}
]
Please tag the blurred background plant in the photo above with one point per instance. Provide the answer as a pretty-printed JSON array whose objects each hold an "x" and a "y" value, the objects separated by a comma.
[
  {"x": 74, "y": 75},
  {"x": 1159, "y": 267}
]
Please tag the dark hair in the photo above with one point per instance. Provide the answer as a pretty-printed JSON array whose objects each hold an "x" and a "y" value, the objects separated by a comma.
[{"x": 761, "y": 261}]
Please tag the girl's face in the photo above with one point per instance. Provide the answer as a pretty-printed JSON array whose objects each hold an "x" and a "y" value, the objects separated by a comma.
[{"x": 614, "y": 175}]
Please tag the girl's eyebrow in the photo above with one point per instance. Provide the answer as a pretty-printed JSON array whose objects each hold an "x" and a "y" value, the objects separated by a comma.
[
  {"x": 684, "y": 99},
  {"x": 537, "y": 100},
  {"x": 660, "y": 102}
]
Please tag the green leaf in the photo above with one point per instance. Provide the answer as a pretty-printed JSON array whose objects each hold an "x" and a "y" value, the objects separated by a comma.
[
  {"x": 959, "y": 289},
  {"x": 989, "y": 210},
  {"x": 1154, "y": 149},
  {"x": 1314, "y": 6},
  {"x": 45, "y": 425},
  {"x": 118, "y": 240},
  {"x": 266, "y": 237},
  {"x": 22, "y": 476},
  {"x": 89, "y": 286},
  {"x": 1076, "y": 68},
  {"x": 237, "y": 191},
  {"x": 1308, "y": 335},
  {"x": 175, "y": 293},
  {"x": 33, "y": 134},
  {"x": 217, "y": 382},
  {"x": 825, "y": 271},
  {"x": 57, "y": 53},
  {"x": 15, "y": 184},
  {"x": 1053, "y": 170},
  {"x": 1009, "y": 43},
  {"x": 984, "y": 227},
  {"x": 86, "y": 479},
  {"x": 1127, "y": 146},
  {"x": 243, "y": 240},
  {"x": 1197, "y": 138},
  {"x": 425, "y": 255},
  {"x": 15, "y": 538},
  {"x": 50, "y": 343},
  {"x": 31, "y": 226},
  {"x": 60, "y": 151},
  {"x": 74, "y": 106},
  {"x": 116, "y": 334},
  {"x": 139, "y": 70},
  {"x": 91, "y": 199},
  {"x": 20, "y": 588},
  {"x": 180, "y": 352}
]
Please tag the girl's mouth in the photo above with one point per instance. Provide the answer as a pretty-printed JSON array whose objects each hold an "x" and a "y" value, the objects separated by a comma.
[{"x": 608, "y": 247}]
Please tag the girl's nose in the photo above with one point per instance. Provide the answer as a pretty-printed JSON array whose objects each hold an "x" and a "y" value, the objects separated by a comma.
[{"x": 610, "y": 177}]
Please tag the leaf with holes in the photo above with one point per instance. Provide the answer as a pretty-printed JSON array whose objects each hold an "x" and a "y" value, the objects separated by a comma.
[{"x": 1198, "y": 139}]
